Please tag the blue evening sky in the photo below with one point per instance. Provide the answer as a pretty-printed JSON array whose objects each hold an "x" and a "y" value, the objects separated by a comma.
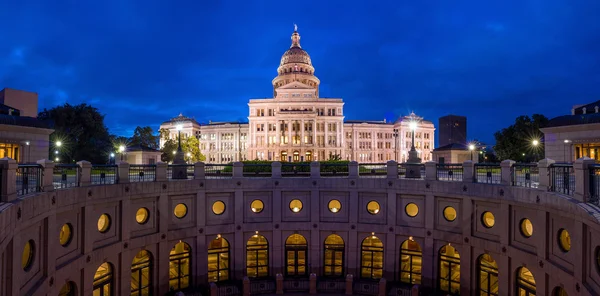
[{"x": 143, "y": 62}]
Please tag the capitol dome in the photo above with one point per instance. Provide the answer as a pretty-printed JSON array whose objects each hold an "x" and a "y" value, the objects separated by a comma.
[{"x": 295, "y": 55}]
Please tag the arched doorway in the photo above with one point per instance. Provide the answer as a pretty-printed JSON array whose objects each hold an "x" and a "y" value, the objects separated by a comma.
[
  {"x": 257, "y": 257},
  {"x": 333, "y": 259},
  {"x": 284, "y": 156},
  {"x": 371, "y": 259},
  {"x": 103, "y": 280},
  {"x": 308, "y": 156},
  {"x": 488, "y": 275},
  {"x": 296, "y": 156},
  {"x": 179, "y": 266},
  {"x": 296, "y": 250},
  {"x": 525, "y": 282},
  {"x": 218, "y": 260},
  {"x": 411, "y": 260},
  {"x": 69, "y": 289},
  {"x": 449, "y": 273},
  {"x": 141, "y": 274}
]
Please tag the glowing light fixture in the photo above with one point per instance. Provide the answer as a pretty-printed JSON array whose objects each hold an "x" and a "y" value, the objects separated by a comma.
[
  {"x": 58, "y": 143},
  {"x": 179, "y": 127},
  {"x": 413, "y": 125},
  {"x": 471, "y": 147},
  {"x": 535, "y": 142}
]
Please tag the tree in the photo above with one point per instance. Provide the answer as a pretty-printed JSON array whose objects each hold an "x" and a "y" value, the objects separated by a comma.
[
  {"x": 81, "y": 132},
  {"x": 515, "y": 142},
  {"x": 144, "y": 136},
  {"x": 189, "y": 145}
]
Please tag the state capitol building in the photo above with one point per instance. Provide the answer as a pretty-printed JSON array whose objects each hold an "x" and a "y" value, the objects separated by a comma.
[{"x": 298, "y": 125}]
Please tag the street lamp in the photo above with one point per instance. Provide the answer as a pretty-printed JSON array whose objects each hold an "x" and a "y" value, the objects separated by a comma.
[
  {"x": 535, "y": 142},
  {"x": 28, "y": 151},
  {"x": 121, "y": 150},
  {"x": 471, "y": 148},
  {"x": 189, "y": 155},
  {"x": 565, "y": 150},
  {"x": 111, "y": 158},
  {"x": 396, "y": 144},
  {"x": 58, "y": 143}
]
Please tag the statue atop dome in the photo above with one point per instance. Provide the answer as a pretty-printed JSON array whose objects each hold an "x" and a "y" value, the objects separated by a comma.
[{"x": 295, "y": 28}]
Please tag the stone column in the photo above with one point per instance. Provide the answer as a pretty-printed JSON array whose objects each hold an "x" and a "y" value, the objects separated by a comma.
[
  {"x": 506, "y": 176},
  {"x": 312, "y": 284},
  {"x": 276, "y": 169},
  {"x": 8, "y": 190},
  {"x": 123, "y": 172},
  {"x": 392, "y": 169},
  {"x": 85, "y": 173},
  {"x": 582, "y": 178},
  {"x": 468, "y": 171},
  {"x": 199, "y": 171},
  {"x": 353, "y": 170},
  {"x": 279, "y": 283},
  {"x": 431, "y": 171},
  {"x": 238, "y": 169},
  {"x": 349, "y": 282},
  {"x": 382, "y": 289},
  {"x": 544, "y": 172},
  {"x": 214, "y": 291},
  {"x": 315, "y": 169},
  {"x": 161, "y": 171},
  {"x": 47, "y": 175},
  {"x": 246, "y": 285}
]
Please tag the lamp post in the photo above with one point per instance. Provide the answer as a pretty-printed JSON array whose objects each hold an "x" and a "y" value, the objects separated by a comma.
[
  {"x": 28, "y": 151},
  {"x": 111, "y": 158},
  {"x": 396, "y": 144},
  {"x": 413, "y": 167},
  {"x": 565, "y": 150},
  {"x": 535, "y": 144},
  {"x": 121, "y": 151},
  {"x": 471, "y": 148},
  {"x": 189, "y": 155}
]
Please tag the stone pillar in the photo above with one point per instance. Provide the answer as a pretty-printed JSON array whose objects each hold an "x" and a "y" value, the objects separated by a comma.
[
  {"x": 506, "y": 176},
  {"x": 353, "y": 169},
  {"x": 246, "y": 286},
  {"x": 414, "y": 291},
  {"x": 315, "y": 169},
  {"x": 8, "y": 190},
  {"x": 431, "y": 171},
  {"x": 199, "y": 171},
  {"x": 85, "y": 173},
  {"x": 349, "y": 282},
  {"x": 312, "y": 284},
  {"x": 582, "y": 178},
  {"x": 392, "y": 169},
  {"x": 47, "y": 175},
  {"x": 123, "y": 172},
  {"x": 276, "y": 169},
  {"x": 468, "y": 171},
  {"x": 213, "y": 289},
  {"x": 544, "y": 172},
  {"x": 382, "y": 287},
  {"x": 279, "y": 283},
  {"x": 161, "y": 171},
  {"x": 238, "y": 169}
]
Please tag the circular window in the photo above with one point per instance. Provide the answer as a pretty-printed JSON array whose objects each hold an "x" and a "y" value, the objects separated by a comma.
[
  {"x": 218, "y": 207},
  {"x": 488, "y": 219},
  {"x": 334, "y": 205},
  {"x": 27, "y": 257},
  {"x": 104, "y": 223},
  {"x": 564, "y": 240},
  {"x": 296, "y": 205},
  {"x": 65, "y": 235},
  {"x": 526, "y": 228},
  {"x": 373, "y": 207},
  {"x": 180, "y": 210},
  {"x": 257, "y": 206},
  {"x": 411, "y": 209},
  {"x": 449, "y": 214},
  {"x": 141, "y": 216}
]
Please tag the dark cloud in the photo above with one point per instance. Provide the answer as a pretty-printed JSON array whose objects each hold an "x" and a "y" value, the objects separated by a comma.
[{"x": 143, "y": 63}]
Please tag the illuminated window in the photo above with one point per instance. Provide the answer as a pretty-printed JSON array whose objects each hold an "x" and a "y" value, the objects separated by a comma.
[
  {"x": 68, "y": 289},
  {"x": 526, "y": 227},
  {"x": 334, "y": 205},
  {"x": 65, "y": 235},
  {"x": 180, "y": 210},
  {"x": 257, "y": 206},
  {"x": 449, "y": 279},
  {"x": 257, "y": 257},
  {"x": 218, "y": 260},
  {"x": 488, "y": 276},
  {"x": 373, "y": 207},
  {"x": 179, "y": 266},
  {"x": 371, "y": 260},
  {"x": 488, "y": 219},
  {"x": 449, "y": 214},
  {"x": 296, "y": 250},
  {"x": 218, "y": 207},
  {"x": 141, "y": 274},
  {"x": 28, "y": 254},
  {"x": 141, "y": 216},
  {"x": 334, "y": 256},
  {"x": 558, "y": 291},
  {"x": 10, "y": 151},
  {"x": 525, "y": 282},
  {"x": 104, "y": 223},
  {"x": 103, "y": 280},
  {"x": 296, "y": 205},
  {"x": 411, "y": 260},
  {"x": 411, "y": 209},
  {"x": 564, "y": 240}
]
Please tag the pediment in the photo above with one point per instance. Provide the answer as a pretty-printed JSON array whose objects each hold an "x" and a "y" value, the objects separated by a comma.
[{"x": 295, "y": 85}]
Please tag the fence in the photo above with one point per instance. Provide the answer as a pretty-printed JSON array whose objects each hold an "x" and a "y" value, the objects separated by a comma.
[
  {"x": 262, "y": 286},
  {"x": 296, "y": 285},
  {"x": 142, "y": 173},
  {"x": 331, "y": 285},
  {"x": 449, "y": 172},
  {"x": 562, "y": 178},
  {"x": 334, "y": 169},
  {"x": 295, "y": 169},
  {"x": 104, "y": 174},
  {"x": 257, "y": 170},
  {"x": 366, "y": 288},
  {"x": 487, "y": 173},
  {"x": 180, "y": 171},
  {"x": 29, "y": 178},
  {"x": 525, "y": 175},
  {"x": 594, "y": 184},
  {"x": 65, "y": 176},
  {"x": 218, "y": 171},
  {"x": 372, "y": 170}
]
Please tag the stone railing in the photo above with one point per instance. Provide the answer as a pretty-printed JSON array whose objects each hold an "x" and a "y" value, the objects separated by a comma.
[{"x": 579, "y": 180}]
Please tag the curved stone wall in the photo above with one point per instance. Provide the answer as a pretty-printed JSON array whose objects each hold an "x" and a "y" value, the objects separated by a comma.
[{"x": 39, "y": 217}]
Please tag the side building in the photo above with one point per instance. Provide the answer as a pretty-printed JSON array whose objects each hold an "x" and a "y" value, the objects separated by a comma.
[{"x": 299, "y": 125}]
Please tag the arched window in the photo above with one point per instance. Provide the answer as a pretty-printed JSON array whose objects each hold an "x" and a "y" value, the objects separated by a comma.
[
  {"x": 334, "y": 256},
  {"x": 103, "y": 280},
  {"x": 218, "y": 260},
  {"x": 179, "y": 266},
  {"x": 257, "y": 257},
  {"x": 525, "y": 282},
  {"x": 449, "y": 269},
  {"x": 296, "y": 250},
  {"x": 371, "y": 259},
  {"x": 411, "y": 259},
  {"x": 69, "y": 289},
  {"x": 488, "y": 276},
  {"x": 141, "y": 274},
  {"x": 558, "y": 291}
]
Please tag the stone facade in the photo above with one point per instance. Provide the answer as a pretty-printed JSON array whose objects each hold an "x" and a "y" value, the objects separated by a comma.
[
  {"x": 224, "y": 208},
  {"x": 299, "y": 125}
]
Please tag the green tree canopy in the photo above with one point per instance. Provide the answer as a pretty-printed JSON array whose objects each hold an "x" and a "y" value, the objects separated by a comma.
[
  {"x": 189, "y": 145},
  {"x": 144, "y": 136},
  {"x": 515, "y": 141},
  {"x": 81, "y": 131}
]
